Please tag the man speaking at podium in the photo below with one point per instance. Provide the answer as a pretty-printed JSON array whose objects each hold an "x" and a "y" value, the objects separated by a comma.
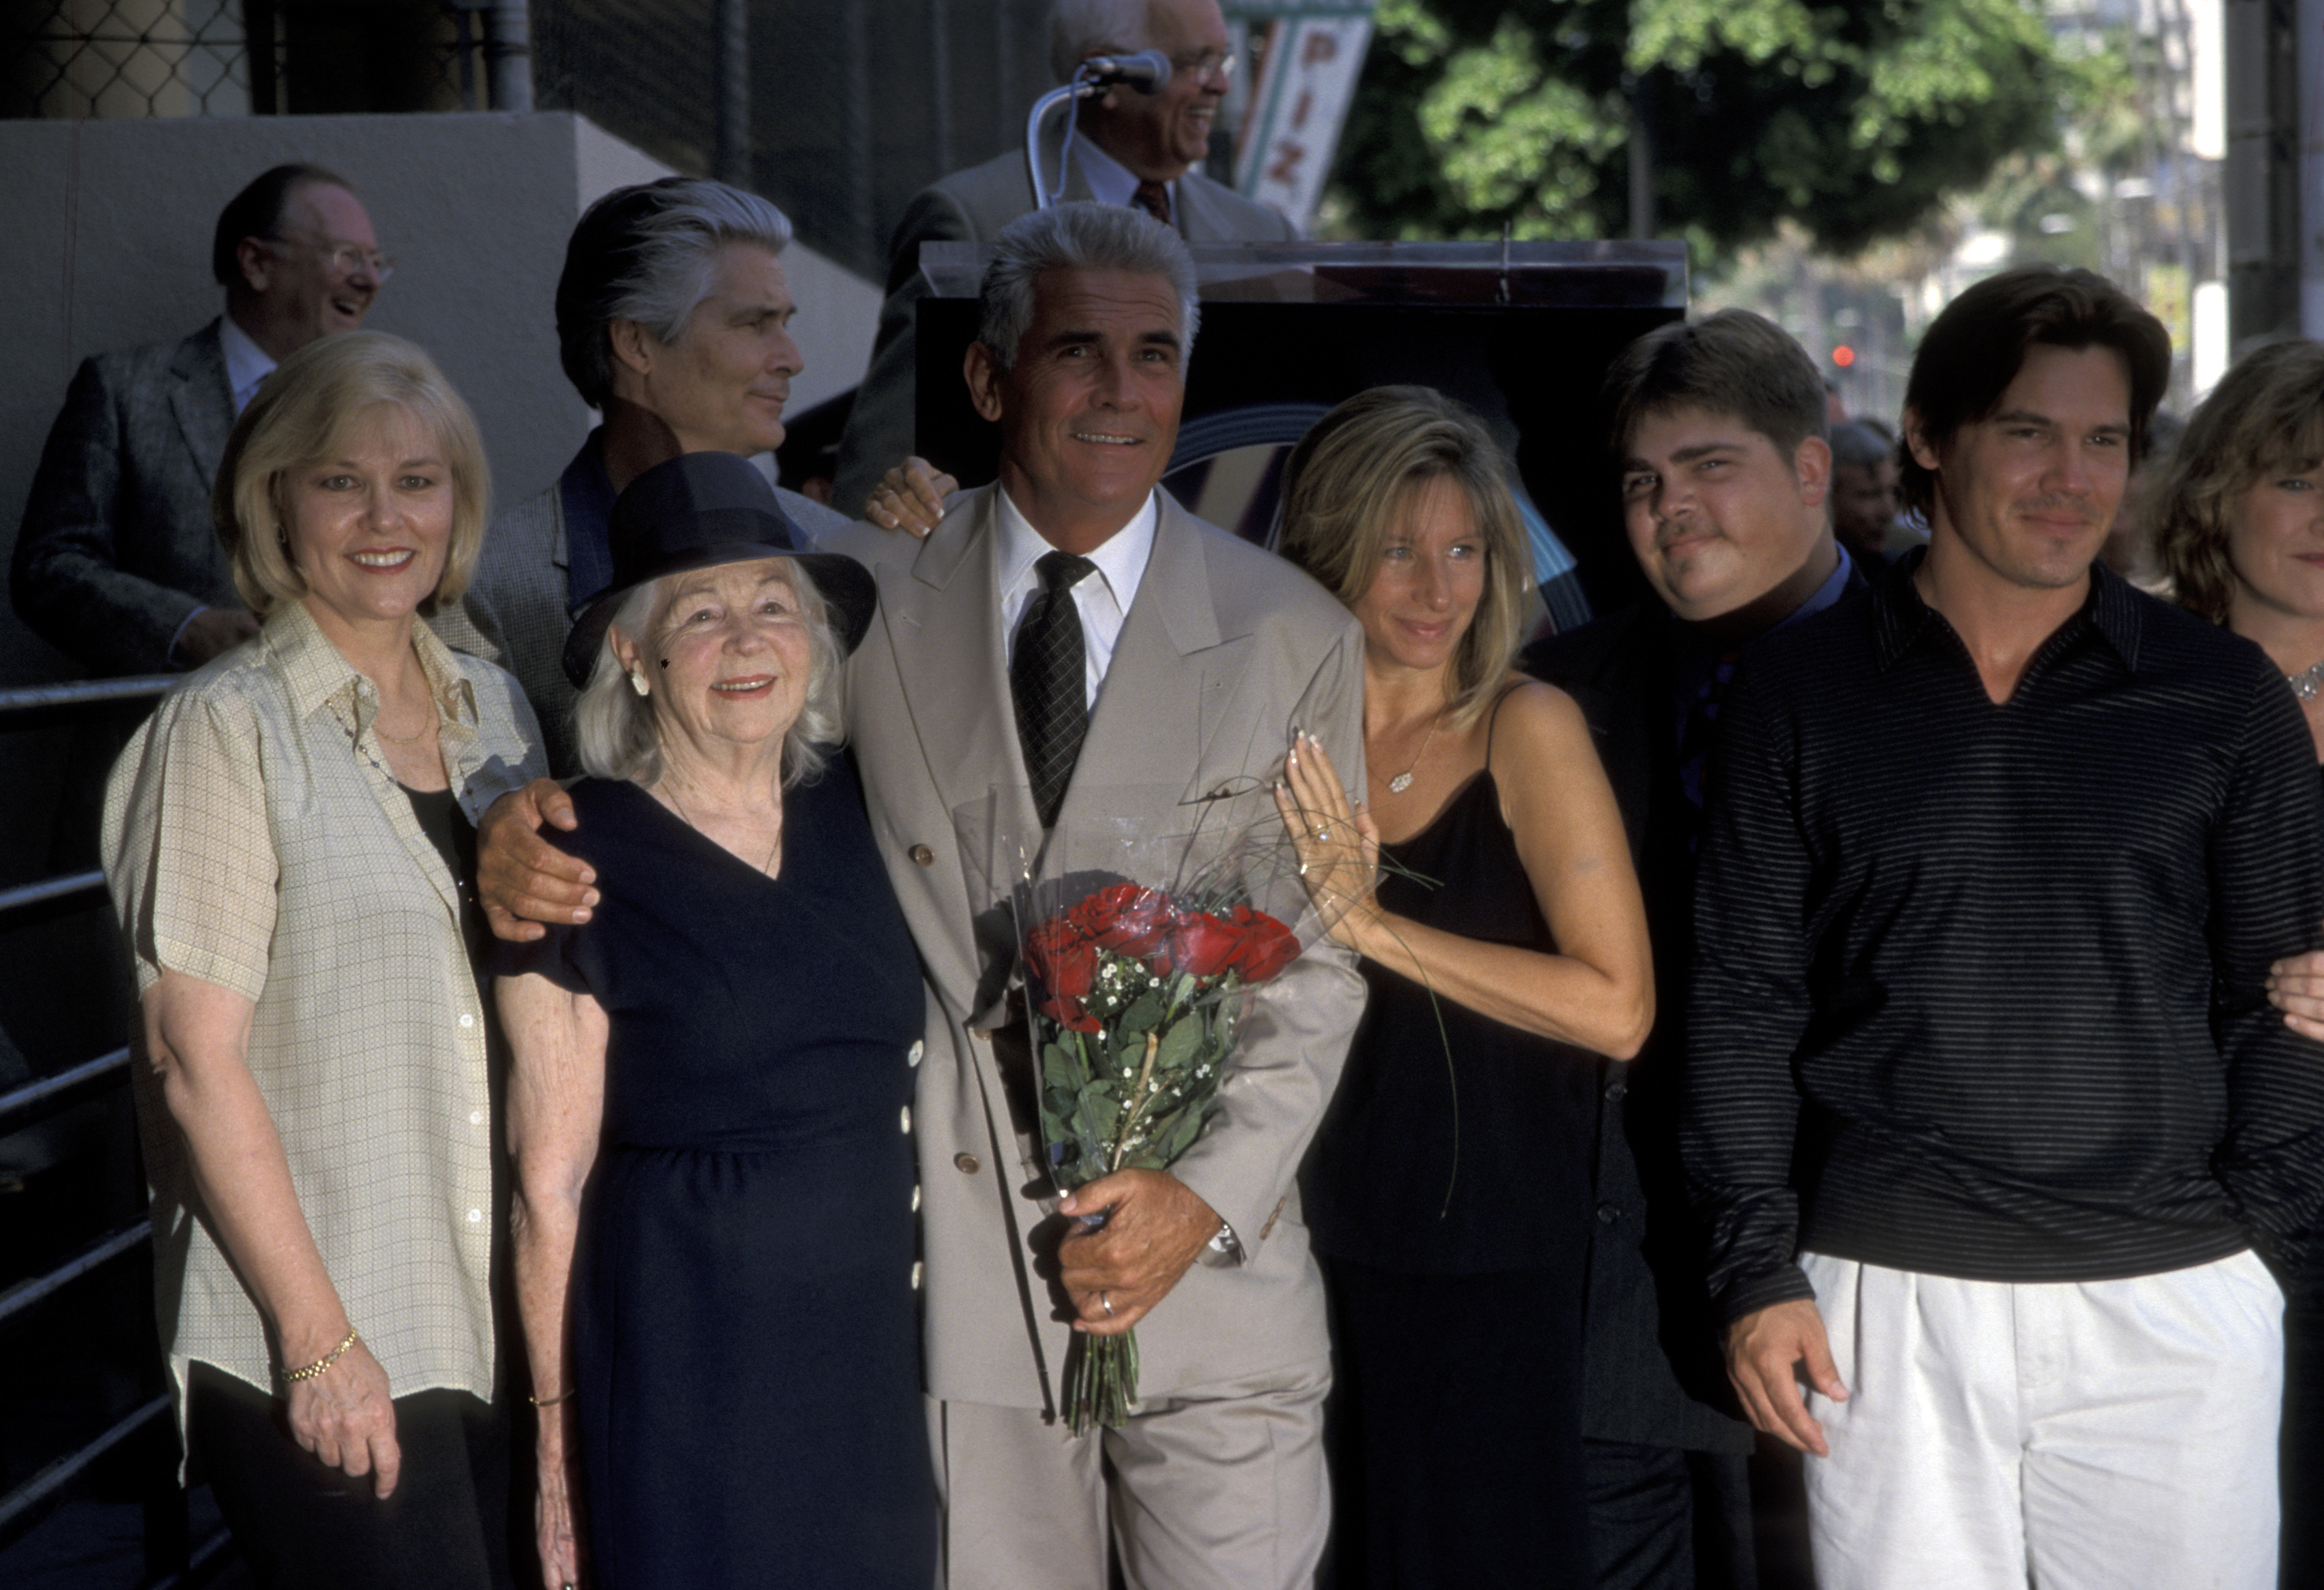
[{"x": 1129, "y": 147}]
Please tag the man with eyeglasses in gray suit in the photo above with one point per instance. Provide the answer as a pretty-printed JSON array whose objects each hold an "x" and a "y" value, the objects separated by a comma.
[
  {"x": 116, "y": 564},
  {"x": 1139, "y": 150}
]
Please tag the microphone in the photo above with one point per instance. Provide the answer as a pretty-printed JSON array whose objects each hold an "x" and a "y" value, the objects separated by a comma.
[{"x": 1144, "y": 71}]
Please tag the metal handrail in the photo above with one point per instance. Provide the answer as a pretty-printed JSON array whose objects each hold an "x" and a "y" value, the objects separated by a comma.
[
  {"x": 50, "y": 888},
  {"x": 32, "y": 1096},
  {"x": 26, "y": 1105},
  {"x": 26, "y": 1292},
  {"x": 58, "y": 1474},
  {"x": 81, "y": 693},
  {"x": 199, "y": 1558}
]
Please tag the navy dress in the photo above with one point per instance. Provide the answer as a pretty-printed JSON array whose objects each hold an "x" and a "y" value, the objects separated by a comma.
[
  {"x": 745, "y": 1342},
  {"x": 1447, "y": 1198}
]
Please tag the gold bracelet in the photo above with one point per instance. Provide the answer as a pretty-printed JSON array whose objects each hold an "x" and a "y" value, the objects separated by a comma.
[
  {"x": 552, "y": 1402},
  {"x": 293, "y": 1376}
]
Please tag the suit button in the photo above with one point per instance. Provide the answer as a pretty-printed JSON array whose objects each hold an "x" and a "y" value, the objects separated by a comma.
[
  {"x": 923, "y": 855},
  {"x": 916, "y": 1052},
  {"x": 965, "y": 1163},
  {"x": 1615, "y": 1090},
  {"x": 908, "y": 1120},
  {"x": 1608, "y": 1214}
]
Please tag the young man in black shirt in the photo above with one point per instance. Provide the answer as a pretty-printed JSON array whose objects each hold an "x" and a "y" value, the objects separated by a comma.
[
  {"x": 1987, "y": 1108},
  {"x": 1718, "y": 428}
]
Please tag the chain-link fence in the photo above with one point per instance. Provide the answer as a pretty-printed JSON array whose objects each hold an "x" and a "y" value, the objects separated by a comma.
[
  {"x": 188, "y": 58},
  {"x": 126, "y": 58}
]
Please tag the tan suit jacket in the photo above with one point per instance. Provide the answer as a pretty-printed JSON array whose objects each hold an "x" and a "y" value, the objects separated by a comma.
[
  {"x": 973, "y": 206},
  {"x": 1223, "y": 649}
]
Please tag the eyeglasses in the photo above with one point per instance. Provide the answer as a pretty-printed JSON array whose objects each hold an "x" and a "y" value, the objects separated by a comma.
[
  {"x": 346, "y": 258},
  {"x": 1210, "y": 64}
]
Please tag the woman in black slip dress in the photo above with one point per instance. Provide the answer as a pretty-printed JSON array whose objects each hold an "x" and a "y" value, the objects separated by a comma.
[
  {"x": 1505, "y": 947},
  {"x": 709, "y": 1107},
  {"x": 2237, "y": 520}
]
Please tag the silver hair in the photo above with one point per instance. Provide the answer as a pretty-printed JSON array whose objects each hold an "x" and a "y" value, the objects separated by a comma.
[
  {"x": 1085, "y": 236},
  {"x": 1082, "y": 28},
  {"x": 647, "y": 253},
  {"x": 613, "y": 726}
]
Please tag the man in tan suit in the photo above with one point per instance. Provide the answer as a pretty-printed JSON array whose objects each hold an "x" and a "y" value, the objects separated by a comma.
[
  {"x": 1129, "y": 148},
  {"x": 1199, "y": 654}
]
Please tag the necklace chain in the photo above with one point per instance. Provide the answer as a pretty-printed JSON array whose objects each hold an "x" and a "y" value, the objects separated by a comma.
[
  {"x": 1403, "y": 781},
  {"x": 773, "y": 850},
  {"x": 378, "y": 727},
  {"x": 2308, "y": 682}
]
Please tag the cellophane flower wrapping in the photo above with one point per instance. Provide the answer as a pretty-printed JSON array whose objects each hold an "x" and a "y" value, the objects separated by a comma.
[{"x": 1139, "y": 952}]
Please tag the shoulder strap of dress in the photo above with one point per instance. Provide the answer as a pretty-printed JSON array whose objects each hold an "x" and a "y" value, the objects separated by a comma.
[{"x": 1493, "y": 719}]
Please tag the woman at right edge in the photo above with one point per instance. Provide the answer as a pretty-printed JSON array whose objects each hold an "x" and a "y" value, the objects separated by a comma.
[
  {"x": 2238, "y": 525},
  {"x": 1505, "y": 946}
]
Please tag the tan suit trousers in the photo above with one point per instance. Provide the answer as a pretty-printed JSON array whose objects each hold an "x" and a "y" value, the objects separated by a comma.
[{"x": 1212, "y": 1488}]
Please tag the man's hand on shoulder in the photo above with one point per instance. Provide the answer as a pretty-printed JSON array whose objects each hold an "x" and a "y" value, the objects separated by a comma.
[
  {"x": 1155, "y": 1226},
  {"x": 1765, "y": 1351},
  {"x": 522, "y": 879},
  {"x": 2295, "y": 986}
]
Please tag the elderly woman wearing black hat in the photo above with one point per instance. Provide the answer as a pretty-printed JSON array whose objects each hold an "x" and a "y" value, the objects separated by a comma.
[{"x": 709, "y": 1104}]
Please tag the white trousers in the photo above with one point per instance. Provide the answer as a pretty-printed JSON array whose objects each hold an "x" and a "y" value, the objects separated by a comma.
[{"x": 2111, "y": 1435}]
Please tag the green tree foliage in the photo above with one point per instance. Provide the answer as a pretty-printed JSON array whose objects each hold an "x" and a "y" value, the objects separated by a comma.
[{"x": 1851, "y": 120}]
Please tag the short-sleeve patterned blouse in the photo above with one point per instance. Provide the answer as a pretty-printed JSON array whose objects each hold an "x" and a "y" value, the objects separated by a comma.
[{"x": 255, "y": 839}]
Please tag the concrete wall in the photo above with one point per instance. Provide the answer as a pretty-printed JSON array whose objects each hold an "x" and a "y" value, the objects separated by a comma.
[{"x": 104, "y": 243}]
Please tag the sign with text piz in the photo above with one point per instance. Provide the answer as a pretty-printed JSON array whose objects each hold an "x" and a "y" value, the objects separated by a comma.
[{"x": 1309, "y": 58}]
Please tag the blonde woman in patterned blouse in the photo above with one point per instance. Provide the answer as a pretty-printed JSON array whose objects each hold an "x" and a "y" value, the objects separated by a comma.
[{"x": 289, "y": 842}]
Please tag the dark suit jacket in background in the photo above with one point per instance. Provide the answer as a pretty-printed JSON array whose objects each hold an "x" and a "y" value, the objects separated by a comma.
[
  {"x": 1653, "y": 1373},
  {"x": 116, "y": 550},
  {"x": 972, "y": 207}
]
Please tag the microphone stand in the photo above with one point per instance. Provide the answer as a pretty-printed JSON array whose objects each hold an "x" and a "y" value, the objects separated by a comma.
[
  {"x": 1070, "y": 96},
  {"x": 1144, "y": 71}
]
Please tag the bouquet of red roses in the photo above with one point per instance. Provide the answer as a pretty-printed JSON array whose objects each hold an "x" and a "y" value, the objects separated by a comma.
[{"x": 1138, "y": 952}]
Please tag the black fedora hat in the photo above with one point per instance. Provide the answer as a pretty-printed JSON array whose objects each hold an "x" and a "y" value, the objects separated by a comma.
[{"x": 696, "y": 511}]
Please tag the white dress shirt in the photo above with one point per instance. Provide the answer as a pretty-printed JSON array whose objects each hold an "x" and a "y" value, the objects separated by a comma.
[
  {"x": 1102, "y": 600},
  {"x": 1111, "y": 182},
  {"x": 246, "y": 363}
]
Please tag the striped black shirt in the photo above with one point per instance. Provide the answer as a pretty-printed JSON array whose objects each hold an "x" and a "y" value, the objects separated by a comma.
[{"x": 1979, "y": 989}]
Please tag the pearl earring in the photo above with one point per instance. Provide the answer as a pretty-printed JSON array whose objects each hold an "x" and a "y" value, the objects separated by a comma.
[{"x": 638, "y": 683}]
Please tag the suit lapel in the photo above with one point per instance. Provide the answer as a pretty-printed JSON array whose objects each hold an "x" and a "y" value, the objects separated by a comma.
[
  {"x": 199, "y": 398},
  {"x": 1169, "y": 681},
  {"x": 940, "y": 611}
]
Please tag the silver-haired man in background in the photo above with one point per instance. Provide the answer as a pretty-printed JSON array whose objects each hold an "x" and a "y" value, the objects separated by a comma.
[{"x": 673, "y": 319}]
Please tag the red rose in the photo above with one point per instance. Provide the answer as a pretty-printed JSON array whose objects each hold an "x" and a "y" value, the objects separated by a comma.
[
  {"x": 1068, "y": 1013},
  {"x": 1126, "y": 918},
  {"x": 1201, "y": 945},
  {"x": 1265, "y": 946},
  {"x": 1061, "y": 960},
  {"x": 1062, "y": 964}
]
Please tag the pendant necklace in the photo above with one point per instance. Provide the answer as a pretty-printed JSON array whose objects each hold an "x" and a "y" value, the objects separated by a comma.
[
  {"x": 687, "y": 817},
  {"x": 1403, "y": 781},
  {"x": 2307, "y": 684}
]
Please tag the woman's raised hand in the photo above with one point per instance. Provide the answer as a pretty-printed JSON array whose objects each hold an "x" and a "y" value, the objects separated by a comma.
[
  {"x": 1337, "y": 843},
  {"x": 911, "y": 498},
  {"x": 345, "y": 1417}
]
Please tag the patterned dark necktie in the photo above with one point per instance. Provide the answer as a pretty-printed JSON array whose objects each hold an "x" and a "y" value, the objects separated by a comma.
[
  {"x": 1154, "y": 198},
  {"x": 1049, "y": 680}
]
